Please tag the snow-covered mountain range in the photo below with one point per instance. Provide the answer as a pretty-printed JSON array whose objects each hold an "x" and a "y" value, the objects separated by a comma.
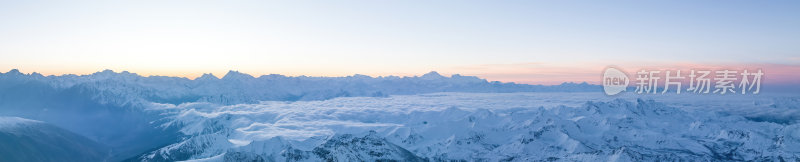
[
  {"x": 425, "y": 118},
  {"x": 418, "y": 128},
  {"x": 108, "y": 106},
  {"x": 126, "y": 88}
]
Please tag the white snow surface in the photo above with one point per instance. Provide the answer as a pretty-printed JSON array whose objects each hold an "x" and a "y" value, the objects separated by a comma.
[
  {"x": 11, "y": 122},
  {"x": 491, "y": 126}
]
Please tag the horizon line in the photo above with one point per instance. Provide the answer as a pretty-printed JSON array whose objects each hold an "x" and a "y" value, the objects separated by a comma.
[{"x": 15, "y": 70}]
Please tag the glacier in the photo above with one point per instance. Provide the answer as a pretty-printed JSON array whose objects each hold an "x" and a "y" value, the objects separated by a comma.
[{"x": 421, "y": 118}]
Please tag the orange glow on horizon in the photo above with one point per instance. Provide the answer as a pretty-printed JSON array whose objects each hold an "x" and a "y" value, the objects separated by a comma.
[{"x": 526, "y": 73}]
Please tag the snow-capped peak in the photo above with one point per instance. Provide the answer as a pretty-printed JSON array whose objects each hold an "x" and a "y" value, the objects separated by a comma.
[
  {"x": 236, "y": 75},
  {"x": 105, "y": 72},
  {"x": 432, "y": 75},
  {"x": 207, "y": 76},
  {"x": 14, "y": 72}
]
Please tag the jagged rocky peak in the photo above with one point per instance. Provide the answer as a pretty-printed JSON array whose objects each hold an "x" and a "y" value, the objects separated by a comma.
[
  {"x": 432, "y": 75},
  {"x": 236, "y": 75},
  {"x": 127, "y": 73},
  {"x": 111, "y": 74},
  {"x": 14, "y": 72},
  {"x": 272, "y": 76},
  {"x": 37, "y": 75},
  {"x": 106, "y": 71},
  {"x": 467, "y": 78},
  {"x": 362, "y": 76},
  {"x": 207, "y": 76},
  {"x": 348, "y": 147}
]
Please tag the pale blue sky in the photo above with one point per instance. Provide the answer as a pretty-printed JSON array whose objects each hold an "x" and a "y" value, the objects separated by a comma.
[{"x": 334, "y": 38}]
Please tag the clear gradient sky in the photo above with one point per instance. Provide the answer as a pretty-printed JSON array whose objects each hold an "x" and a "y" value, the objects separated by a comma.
[{"x": 545, "y": 42}]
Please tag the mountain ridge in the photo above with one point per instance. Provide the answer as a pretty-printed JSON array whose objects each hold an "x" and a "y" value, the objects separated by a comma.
[{"x": 123, "y": 88}]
